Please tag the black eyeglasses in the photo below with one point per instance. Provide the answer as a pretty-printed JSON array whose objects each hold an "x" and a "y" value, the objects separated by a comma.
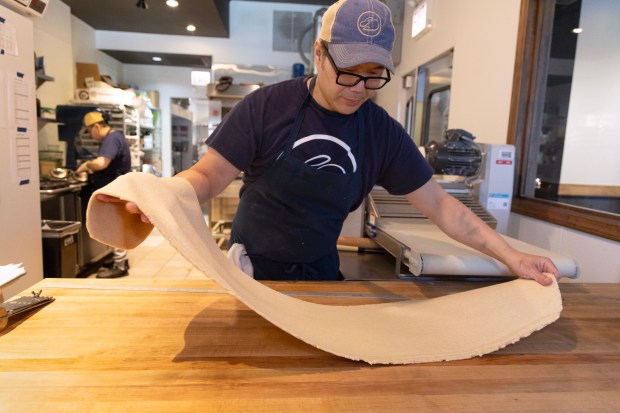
[{"x": 349, "y": 79}]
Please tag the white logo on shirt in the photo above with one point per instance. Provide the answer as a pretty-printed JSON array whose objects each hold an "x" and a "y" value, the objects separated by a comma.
[{"x": 326, "y": 152}]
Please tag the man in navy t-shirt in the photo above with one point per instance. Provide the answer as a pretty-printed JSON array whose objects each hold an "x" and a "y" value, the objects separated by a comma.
[
  {"x": 312, "y": 148},
  {"x": 113, "y": 160}
]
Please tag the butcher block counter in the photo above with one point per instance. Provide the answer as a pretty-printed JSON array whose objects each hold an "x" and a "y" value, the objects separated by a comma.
[{"x": 187, "y": 346}]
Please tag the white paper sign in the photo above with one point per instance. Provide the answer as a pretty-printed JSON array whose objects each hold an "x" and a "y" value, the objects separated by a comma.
[{"x": 8, "y": 38}]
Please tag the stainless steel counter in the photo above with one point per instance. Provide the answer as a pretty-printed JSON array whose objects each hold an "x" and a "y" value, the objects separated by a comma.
[{"x": 59, "y": 191}]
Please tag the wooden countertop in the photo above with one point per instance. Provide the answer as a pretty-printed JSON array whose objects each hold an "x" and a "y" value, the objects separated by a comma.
[{"x": 187, "y": 346}]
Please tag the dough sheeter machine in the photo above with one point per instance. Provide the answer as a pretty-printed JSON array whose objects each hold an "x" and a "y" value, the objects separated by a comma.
[{"x": 479, "y": 175}]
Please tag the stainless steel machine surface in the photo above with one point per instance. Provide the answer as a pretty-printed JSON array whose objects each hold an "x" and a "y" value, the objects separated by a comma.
[
  {"x": 485, "y": 187},
  {"x": 425, "y": 250}
]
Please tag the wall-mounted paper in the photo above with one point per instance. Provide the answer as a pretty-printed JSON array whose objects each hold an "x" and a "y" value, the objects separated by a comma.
[
  {"x": 10, "y": 272},
  {"x": 20, "y": 133},
  {"x": 8, "y": 38},
  {"x": 4, "y": 101}
]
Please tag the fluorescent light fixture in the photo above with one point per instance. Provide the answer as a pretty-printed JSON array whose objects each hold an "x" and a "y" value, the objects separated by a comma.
[
  {"x": 156, "y": 58},
  {"x": 191, "y": 28},
  {"x": 172, "y": 3}
]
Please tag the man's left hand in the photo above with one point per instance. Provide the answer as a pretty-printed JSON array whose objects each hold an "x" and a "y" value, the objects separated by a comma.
[{"x": 534, "y": 267}]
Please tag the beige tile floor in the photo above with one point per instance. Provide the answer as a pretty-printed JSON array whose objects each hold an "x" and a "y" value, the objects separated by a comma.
[{"x": 156, "y": 258}]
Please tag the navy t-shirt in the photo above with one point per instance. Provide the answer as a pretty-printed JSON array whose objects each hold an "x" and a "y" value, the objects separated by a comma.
[
  {"x": 255, "y": 132},
  {"x": 115, "y": 147}
]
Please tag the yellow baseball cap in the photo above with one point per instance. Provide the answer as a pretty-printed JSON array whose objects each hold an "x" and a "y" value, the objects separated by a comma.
[{"x": 93, "y": 117}]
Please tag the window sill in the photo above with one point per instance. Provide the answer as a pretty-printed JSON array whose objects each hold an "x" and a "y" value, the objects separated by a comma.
[{"x": 589, "y": 221}]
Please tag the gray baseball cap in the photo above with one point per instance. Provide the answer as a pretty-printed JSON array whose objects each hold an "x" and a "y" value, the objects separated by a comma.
[{"x": 358, "y": 32}]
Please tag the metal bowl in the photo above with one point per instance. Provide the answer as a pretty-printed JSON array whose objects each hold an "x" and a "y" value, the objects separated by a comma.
[
  {"x": 80, "y": 176},
  {"x": 59, "y": 173},
  {"x": 64, "y": 173}
]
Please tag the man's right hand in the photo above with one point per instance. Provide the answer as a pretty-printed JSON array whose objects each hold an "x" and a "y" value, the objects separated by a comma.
[{"x": 131, "y": 207}]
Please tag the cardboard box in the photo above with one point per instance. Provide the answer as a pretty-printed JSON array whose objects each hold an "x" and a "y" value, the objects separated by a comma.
[{"x": 85, "y": 71}]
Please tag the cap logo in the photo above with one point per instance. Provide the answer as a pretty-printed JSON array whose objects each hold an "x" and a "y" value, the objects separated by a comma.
[{"x": 369, "y": 24}]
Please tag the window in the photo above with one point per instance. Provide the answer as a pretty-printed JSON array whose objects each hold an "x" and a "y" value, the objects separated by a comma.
[
  {"x": 428, "y": 100},
  {"x": 436, "y": 114},
  {"x": 564, "y": 118}
]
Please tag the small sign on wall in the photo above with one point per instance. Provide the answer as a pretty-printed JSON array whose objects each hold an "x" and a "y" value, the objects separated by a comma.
[
  {"x": 200, "y": 78},
  {"x": 421, "y": 21}
]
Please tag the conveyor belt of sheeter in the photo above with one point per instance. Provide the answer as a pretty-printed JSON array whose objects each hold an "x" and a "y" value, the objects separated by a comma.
[
  {"x": 391, "y": 206},
  {"x": 424, "y": 249}
]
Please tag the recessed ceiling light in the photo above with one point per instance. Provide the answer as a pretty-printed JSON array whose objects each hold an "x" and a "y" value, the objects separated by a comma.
[
  {"x": 172, "y": 3},
  {"x": 191, "y": 28},
  {"x": 157, "y": 58}
]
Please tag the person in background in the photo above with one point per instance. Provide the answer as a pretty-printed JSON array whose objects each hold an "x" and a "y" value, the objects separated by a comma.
[
  {"x": 112, "y": 161},
  {"x": 312, "y": 148}
]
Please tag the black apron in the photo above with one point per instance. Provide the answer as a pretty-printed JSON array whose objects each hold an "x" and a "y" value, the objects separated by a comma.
[{"x": 289, "y": 219}]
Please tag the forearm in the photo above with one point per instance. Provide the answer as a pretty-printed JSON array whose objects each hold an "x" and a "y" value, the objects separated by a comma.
[
  {"x": 97, "y": 164},
  {"x": 210, "y": 175},
  {"x": 461, "y": 224},
  {"x": 200, "y": 182}
]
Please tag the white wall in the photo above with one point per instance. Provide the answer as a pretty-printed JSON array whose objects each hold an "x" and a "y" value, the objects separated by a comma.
[
  {"x": 85, "y": 51},
  {"x": 64, "y": 40},
  {"x": 598, "y": 258},
  {"x": 52, "y": 40},
  {"x": 483, "y": 34}
]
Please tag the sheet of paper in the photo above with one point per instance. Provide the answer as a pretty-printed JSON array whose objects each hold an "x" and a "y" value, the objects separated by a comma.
[
  {"x": 8, "y": 38},
  {"x": 21, "y": 134},
  {"x": 10, "y": 272},
  {"x": 4, "y": 101}
]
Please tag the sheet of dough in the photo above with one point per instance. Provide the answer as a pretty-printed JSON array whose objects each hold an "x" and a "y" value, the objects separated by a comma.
[
  {"x": 452, "y": 327},
  {"x": 433, "y": 252}
]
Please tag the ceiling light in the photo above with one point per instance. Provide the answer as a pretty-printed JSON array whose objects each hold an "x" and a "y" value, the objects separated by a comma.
[
  {"x": 172, "y": 3},
  {"x": 191, "y": 28},
  {"x": 141, "y": 4},
  {"x": 577, "y": 30},
  {"x": 157, "y": 59}
]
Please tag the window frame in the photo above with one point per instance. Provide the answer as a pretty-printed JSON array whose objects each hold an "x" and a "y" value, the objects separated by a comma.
[{"x": 533, "y": 44}]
